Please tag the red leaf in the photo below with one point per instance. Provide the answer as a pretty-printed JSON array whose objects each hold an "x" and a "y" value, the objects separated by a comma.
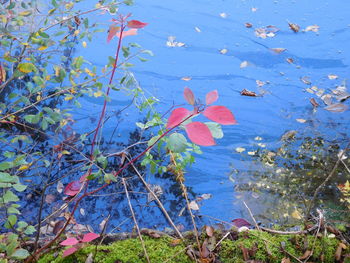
[
  {"x": 69, "y": 251},
  {"x": 239, "y": 222},
  {"x": 126, "y": 33},
  {"x": 177, "y": 116},
  {"x": 73, "y": 188},
  {"x": 90, "y": 236},
  {"x": 220, "y": 114},
  {"x": 69, "y": 242},
  {"x": 211, "y": 97},
  {"x": 189, "y": 96},
  {"x": 136, "y": 24},
  {"x": 112, "y": 32},
  {"x": 199, "y": 133}
]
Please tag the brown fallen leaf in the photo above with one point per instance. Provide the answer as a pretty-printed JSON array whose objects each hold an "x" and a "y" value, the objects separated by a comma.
[
  {"x": 339, "y": 250},
  {"x": 278, "y": 50},
  {"x": 290, "y": 60},
  {"x": 313, "y": 28},
  {"x": 249, "y": 93},
  {"x": 175, "y": 242},
  {"x": 193, "y": 205},
  {"x": 314, "y": 103},
  {"x": 285, "y": 260},
  {"x": 294, "y": 27},
  {"x": 306, "y": 254},
  {"x": 58, "y": 226},
  {"x": 248, "y": 25}
]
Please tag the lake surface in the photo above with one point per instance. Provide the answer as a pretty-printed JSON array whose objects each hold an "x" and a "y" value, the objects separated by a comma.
[{"x": 216, "y": 43}]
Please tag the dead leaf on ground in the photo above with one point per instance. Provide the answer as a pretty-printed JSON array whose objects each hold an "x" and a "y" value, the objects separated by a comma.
[
  {"x": 244, "y": 64},
  {"x": 245, "y": 252},
  {"x": 58, "y": 226},
  {"x": 336, "y": 107},
  {"x": 306, "y": 254},
  {"x": 209, "y": 230},
  {"x": 294, "y": 27},
  {"x": 313, "y": 28},
  {"x": 186, "y": 78},
  {"x": 175, "y": 242},
  {"x": 285, "y": 260},
  {"x": 248, "y": 25},
  {"x": 278, "y": 50},
  {"x": 339, "y": 250}
]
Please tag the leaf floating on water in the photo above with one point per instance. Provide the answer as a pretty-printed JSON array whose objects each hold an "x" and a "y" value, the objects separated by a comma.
[
  {"x": 314, "y": 103},
  {"x": 223, "y": 15},
  {"x": 249, "y": 93},
  {"x": 254, "y": 9},
  {"x": 193, "y": 205},
  {"x": 290, "y": 60},
  {"x": 206, "y": 196},
  {"x": 240, "y": 149},
  {"x": 198, "y": 29},
  {"x": 289, "y": 135},
  {"x": 172, "y": 43},
  {"x": 278, "y": 50},
  {"x": 341, "y": 93},
  {"x": 306, "y": 80},
  {"x": 336, "y": 107},
  {"x": 327, "y": 99},
  {"x": 223, "y": 51},
  {"x": 296, "y": 214},
  {"x": 244, "y": 64},
  {"x": 332, "y": 76},
  {"x": 186, "y": 78},
  {"x": 301, "y": 120},
  {"x": 294, "y": 27},
  {"x": 248, "y": 25},
  {"x": 313, "y": 28},
  {"x": 260, "y": 83}
]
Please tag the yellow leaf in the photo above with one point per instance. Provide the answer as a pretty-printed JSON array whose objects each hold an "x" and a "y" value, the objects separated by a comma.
[
  {"x": 240, "y": 149},
  {"x": 296, "y": 214},
  {"x": 91, "y": 74},
  {"x": 84, "y": 44},
  {"x": 26, "y": 67},
  {"x": 65, "y": 152},
  {"x": 23, "y": 167},
  {"x": 98, "y": 94},
  {"x": 76, "y": 32},
  {"x": 68, "y": 97},
  {"x": 48, "y": 77},
  {"x": 38, "y": 97},
  {"x": 25, "y": 13},
  {"x": 42, "y": 48}
]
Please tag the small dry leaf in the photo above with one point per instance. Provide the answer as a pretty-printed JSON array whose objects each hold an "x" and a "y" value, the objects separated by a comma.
[
  {"x": 50, "y": 198},
  {"x": 254, "y": 9},
  {"x": 194, "y": 205},
  {"x": 285, "y": 260},
  {"x": 172, "y": 43},
  {"x": 278, "y": 50},
  {"x": 306, "y": 255},
  {"x": 301, "y": 120},
  {"x": 244, "y": 64},
  {"x": 249, "y": 93},
  {"x": 240, "y": 149},
  {"x": 341, "y": 93},
  {"x": 332, "y": 76},
  {"x": 313, "y": 28},
  {"x": 260, "y": 83},
  {"x": 306, "y": 80},
  {"x": 251, "y": 153},
  {"x": 296, "y": 214},
  {"x": 60, "y": 187},
  {"x": 248, "y": 25},
  {"x": 314, "y": 103},
  {"x": 175, "y": 242},
  {"x": 223, "y": 15},
  {"x": 223, "y": 51},
  {"x": 198, "y": 29},
  {"x": 209, "y": 230},
  {"x": 327, "y": 99},
  {"x": 206, "y": 196},
  {"x": 58, "y": 226},
  {"x": 290, "y": 60},
  {"x": 294, "y": 27},
  {"x": 186, "y": 78},
  {"x": 336, "y": 107}
]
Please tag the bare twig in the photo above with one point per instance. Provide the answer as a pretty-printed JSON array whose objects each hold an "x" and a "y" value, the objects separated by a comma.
[
  {"x": 133, "y": 216},
  {"x": 251, "y": 215}
]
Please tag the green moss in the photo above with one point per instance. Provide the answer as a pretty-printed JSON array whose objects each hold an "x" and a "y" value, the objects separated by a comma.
[
  {"x": 125, "y": 251},
  {"x": 268, "y": 247}
]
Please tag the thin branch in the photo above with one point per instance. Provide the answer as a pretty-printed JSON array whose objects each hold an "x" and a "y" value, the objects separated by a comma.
[
  {"x": 134, "y": 218},
  {"x": 251, "y": 215}
]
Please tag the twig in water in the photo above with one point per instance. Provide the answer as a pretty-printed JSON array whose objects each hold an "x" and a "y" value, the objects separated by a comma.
[
  {"x": 133, "y": 216},
  {"x": 251, "y": 215}
]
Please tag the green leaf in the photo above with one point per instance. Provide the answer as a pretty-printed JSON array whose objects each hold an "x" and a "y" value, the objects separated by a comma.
[
  {"x": 177, "y": 142},
  {"x": 215, "y": 129},
  {"x": 26, "y": 67},
  {"x": 11, "y": 221},
  {"x": 20, "y": 187},
  {"x": 29, "y": 230},
  {"x": 10, "y": 197},
  {"x": 20, "y": 254},
  {"x": 5, "y": 165},
  {"x": 31, "y": 118},
  {"x": 7, "y": 178},
  {"x": 22, "y": 224},
  {"x": 13, "y": 210},
  {"x": 153, "y": 140}
]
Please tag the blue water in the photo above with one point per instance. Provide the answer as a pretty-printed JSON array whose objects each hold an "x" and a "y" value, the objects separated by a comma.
[{"x": 315, "y": 55}]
